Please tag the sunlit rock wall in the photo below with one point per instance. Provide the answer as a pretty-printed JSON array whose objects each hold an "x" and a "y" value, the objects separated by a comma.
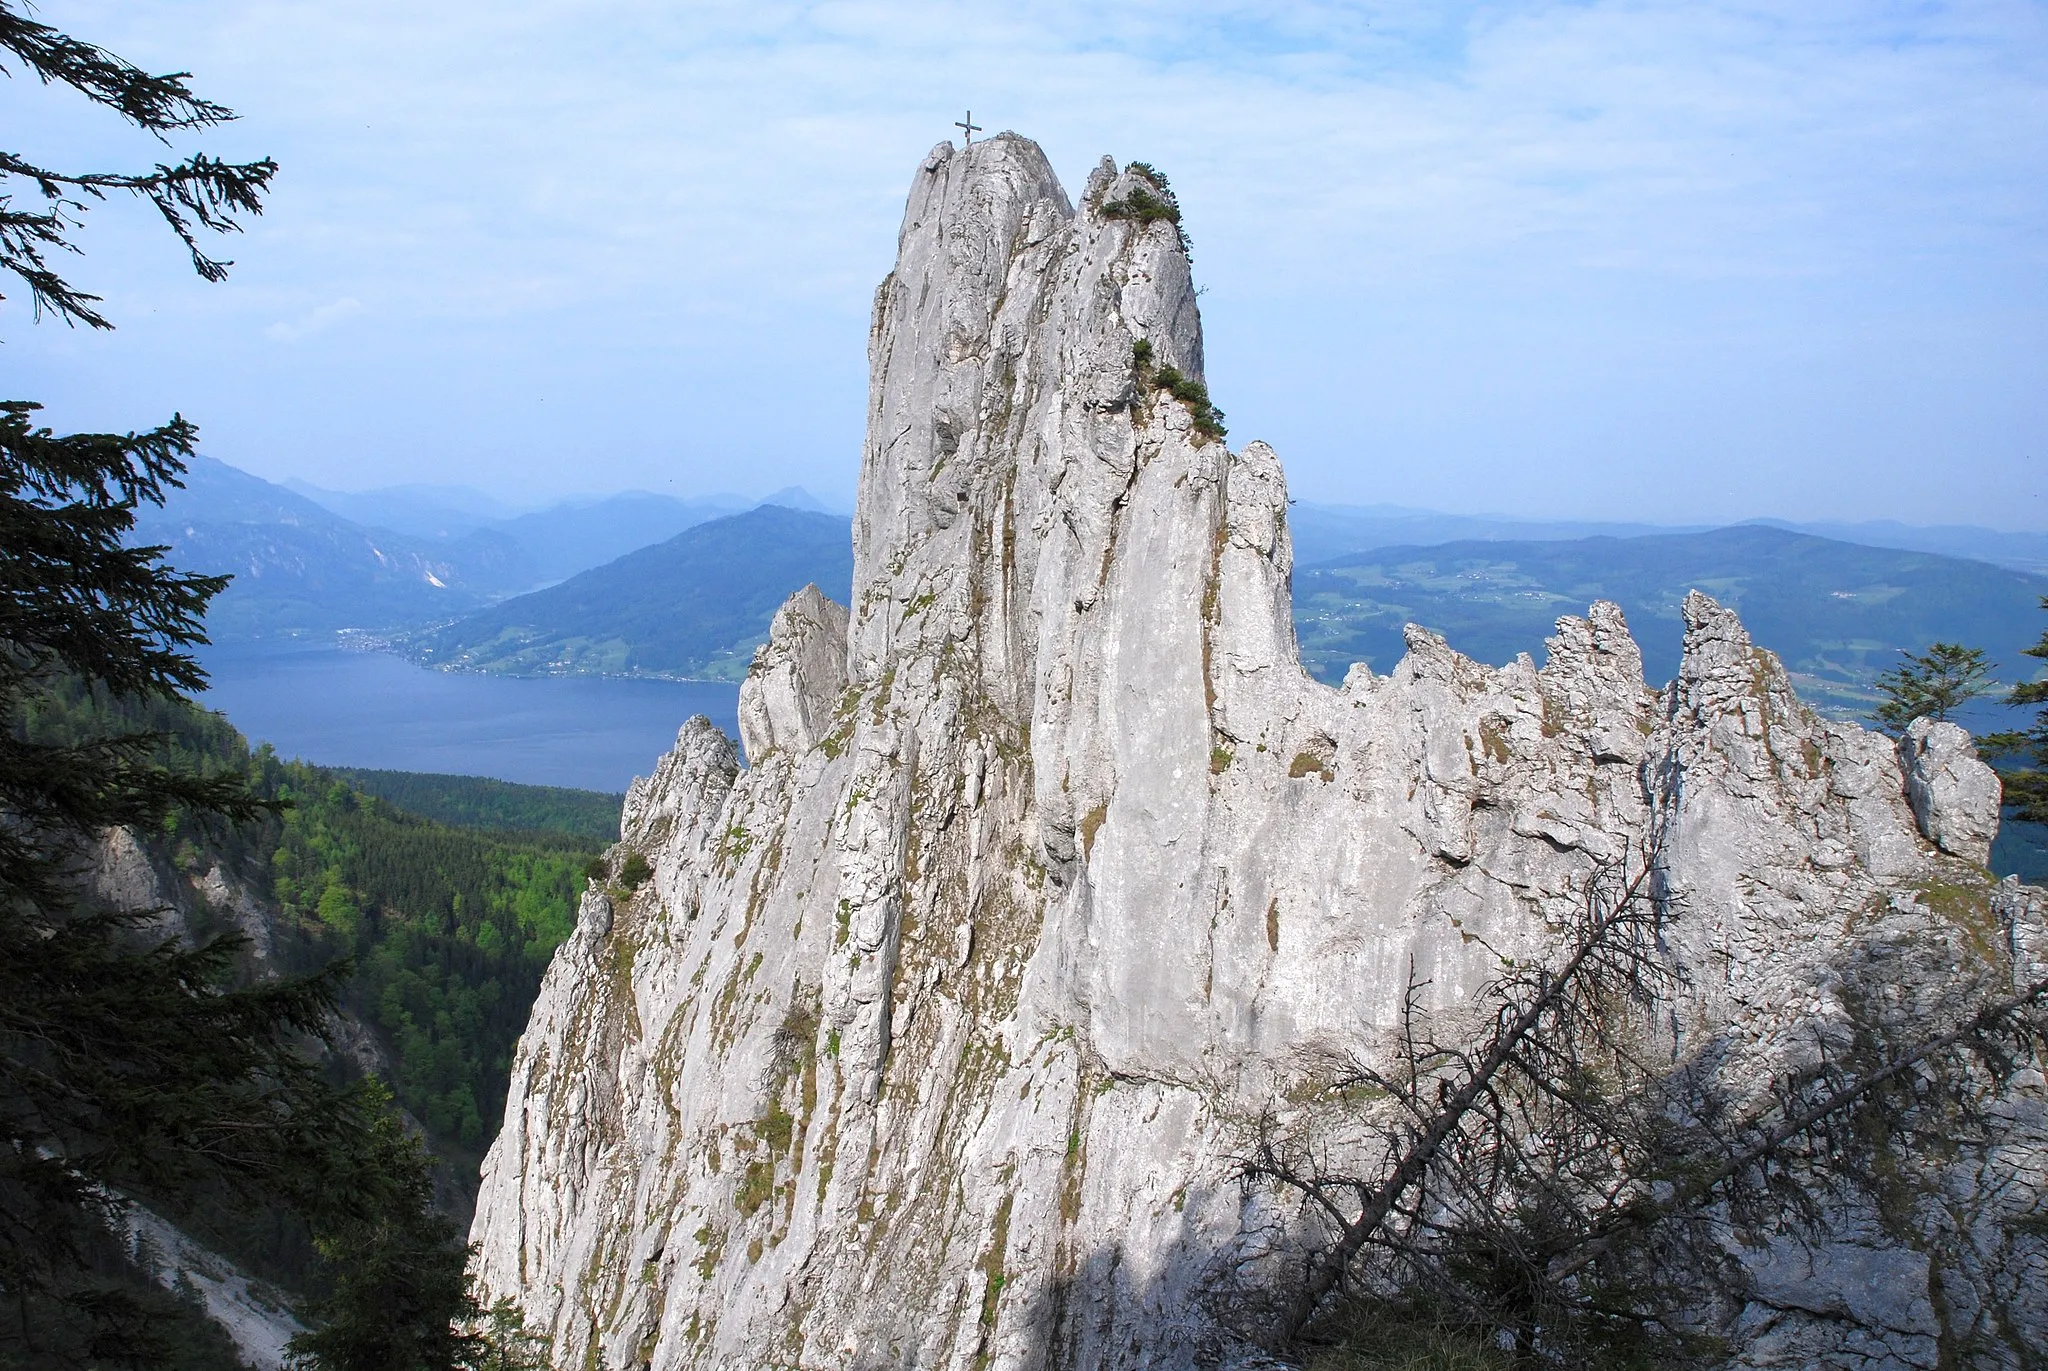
[{"x": 936, "y": 1033}]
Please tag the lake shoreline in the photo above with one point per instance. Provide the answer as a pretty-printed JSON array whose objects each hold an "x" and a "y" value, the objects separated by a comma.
[
  {"x": 333, "y": 705},
  {"x": 361, "y": 640}
]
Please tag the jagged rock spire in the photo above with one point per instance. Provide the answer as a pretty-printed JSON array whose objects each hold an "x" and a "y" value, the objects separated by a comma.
[{"x": 932, "y": 1039}]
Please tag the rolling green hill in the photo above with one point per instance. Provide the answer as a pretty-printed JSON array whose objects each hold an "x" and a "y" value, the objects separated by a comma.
[
  {"x": 503, "y": 806},
  {"x": 1837, "y": 613},
  {"x": 695, "y": 606}
]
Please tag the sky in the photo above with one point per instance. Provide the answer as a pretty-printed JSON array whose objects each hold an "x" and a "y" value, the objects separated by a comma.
[{"x": 1670, "y": 262}]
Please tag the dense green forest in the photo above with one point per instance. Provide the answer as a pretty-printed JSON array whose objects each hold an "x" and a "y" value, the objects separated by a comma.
[
  {"x": 449, "y": 925},
  {"x": 480, "y": 802},
  {"x": 450, "y": 929}
]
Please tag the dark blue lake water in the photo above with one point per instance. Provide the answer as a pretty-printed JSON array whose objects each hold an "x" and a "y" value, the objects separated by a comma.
[{"x": 372, "y": 709}]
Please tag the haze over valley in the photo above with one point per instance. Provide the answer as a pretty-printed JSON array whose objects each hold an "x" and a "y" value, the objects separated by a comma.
[{"x": 638, "y": 585}]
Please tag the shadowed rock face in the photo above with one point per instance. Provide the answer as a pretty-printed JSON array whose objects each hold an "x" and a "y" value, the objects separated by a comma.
[{"x": 932, "y": 1039}]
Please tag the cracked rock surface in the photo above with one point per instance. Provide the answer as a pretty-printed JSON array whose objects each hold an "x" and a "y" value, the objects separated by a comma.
[{"x": 932, "y": 1039}]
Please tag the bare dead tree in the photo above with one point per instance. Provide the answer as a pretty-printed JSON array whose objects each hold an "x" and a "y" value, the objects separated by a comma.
[
  {"x": 1529, "y": 1114},
  {"x": 1799, "y": 1122},
  {"x": 1549, "y": 1180}
]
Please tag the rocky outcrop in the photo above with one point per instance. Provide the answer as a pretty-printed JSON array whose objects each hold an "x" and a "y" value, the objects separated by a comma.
[
  {"x": 934, "y": 1038},
  {"x": 796, "y": 676},
  {"x": 1955, "y": 797},
  {"x": 122, "y": 871},
  {"x": 257, "y": 1317}
]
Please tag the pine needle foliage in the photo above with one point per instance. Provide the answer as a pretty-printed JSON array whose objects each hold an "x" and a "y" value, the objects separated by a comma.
[
  {"x": 76, "y": 601},
  {"x": 132, "y": 1067},
  {"x": 2022, "y": 753},
  {"x": 1931, "y": 685},
  {"x": 400, "y": 1301},
  {"x": 138, "y": 1064},
  {"x": 200, "y": 194}
]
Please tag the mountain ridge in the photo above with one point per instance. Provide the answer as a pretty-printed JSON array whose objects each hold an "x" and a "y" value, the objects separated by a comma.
[
  {"x": 693, "y": 607},
  {"x": 1838, "y": 613},
  {"x": 302, "y": 567},
  {"x": 299, "y": 568}
]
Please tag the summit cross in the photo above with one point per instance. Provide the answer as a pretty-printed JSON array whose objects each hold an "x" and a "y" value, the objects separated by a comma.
[{"x": 968, "y": 126}]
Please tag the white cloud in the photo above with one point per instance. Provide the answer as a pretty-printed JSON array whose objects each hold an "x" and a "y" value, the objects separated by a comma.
[{"x": 316, "y": 320}]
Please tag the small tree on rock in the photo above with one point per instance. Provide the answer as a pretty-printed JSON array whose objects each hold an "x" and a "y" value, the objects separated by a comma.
[
  {"x": 1931, "y": 685},
  {"x": 2022, "y": 754}
]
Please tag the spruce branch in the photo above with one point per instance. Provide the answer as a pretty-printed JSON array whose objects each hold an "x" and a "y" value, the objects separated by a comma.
[
  {"x": 157, "y": 103},
  {"x": 201, "y": 194}
]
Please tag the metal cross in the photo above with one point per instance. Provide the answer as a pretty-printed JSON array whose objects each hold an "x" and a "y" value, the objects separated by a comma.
[{"x": 968, "y": 126}]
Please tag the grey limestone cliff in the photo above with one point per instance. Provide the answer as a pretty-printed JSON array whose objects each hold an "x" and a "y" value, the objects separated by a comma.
[
  {"x": 932, "y": 1040},
  {"x": 126, "y": 872}
]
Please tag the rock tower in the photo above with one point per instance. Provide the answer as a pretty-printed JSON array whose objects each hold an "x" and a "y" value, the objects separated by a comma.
[{"x": 931, "y": 1040}]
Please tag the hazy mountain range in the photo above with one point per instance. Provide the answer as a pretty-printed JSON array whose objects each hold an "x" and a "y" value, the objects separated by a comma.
[
  {"x": 1322, "y": 532},
  {"x": 559, "y": 540},
  {"x": 695, "y": 605},
  {"x": 657, "y": 585},
  {"x": 299, "y": 568},
  {"x": 309, "y": 561},
  {"x": 1836, "y": 612}
]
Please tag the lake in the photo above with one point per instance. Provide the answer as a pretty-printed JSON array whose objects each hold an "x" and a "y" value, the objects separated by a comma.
[{"x": 336, "y": 707}]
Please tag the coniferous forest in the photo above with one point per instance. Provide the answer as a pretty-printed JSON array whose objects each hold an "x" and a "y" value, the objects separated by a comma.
[
  {"x": 449, "y": 925},
  {"x": 450, "y": 929}
]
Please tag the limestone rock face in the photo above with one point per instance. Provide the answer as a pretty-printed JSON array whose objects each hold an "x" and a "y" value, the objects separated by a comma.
[
  {"x": 933, "y": 1038},
  {"x": 1955, "y": 797},
  {"x": 796, "y": 676},
  {"x": 122, "y": 873}
]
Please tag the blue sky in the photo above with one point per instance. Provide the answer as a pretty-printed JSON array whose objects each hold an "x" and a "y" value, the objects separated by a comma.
[{"x": 1661, "y": 261}]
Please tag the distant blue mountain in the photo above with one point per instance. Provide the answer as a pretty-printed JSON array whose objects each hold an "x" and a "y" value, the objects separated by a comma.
[
  {"x": 1837, "y": 613},
  {"x": 559, "y": 539},
  {"x": 300, "y": 569},
  {"x": 312, "y": 561},
  {"x": 2021, "y": 551},
  {"x": 574, "y": 536},
  {"x": 694, "y": 606},
  {"x": 424, "y": 511},
  {"x": 1324, "y": 531},
  {"x": 644, "y": 596}
]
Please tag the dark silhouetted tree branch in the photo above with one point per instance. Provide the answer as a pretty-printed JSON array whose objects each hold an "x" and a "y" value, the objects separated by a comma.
[{"x": 201, "y": 194}]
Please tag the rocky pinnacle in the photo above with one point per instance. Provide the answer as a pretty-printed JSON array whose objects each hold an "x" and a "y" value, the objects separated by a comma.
[{"x": 934, "y": 1038}]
